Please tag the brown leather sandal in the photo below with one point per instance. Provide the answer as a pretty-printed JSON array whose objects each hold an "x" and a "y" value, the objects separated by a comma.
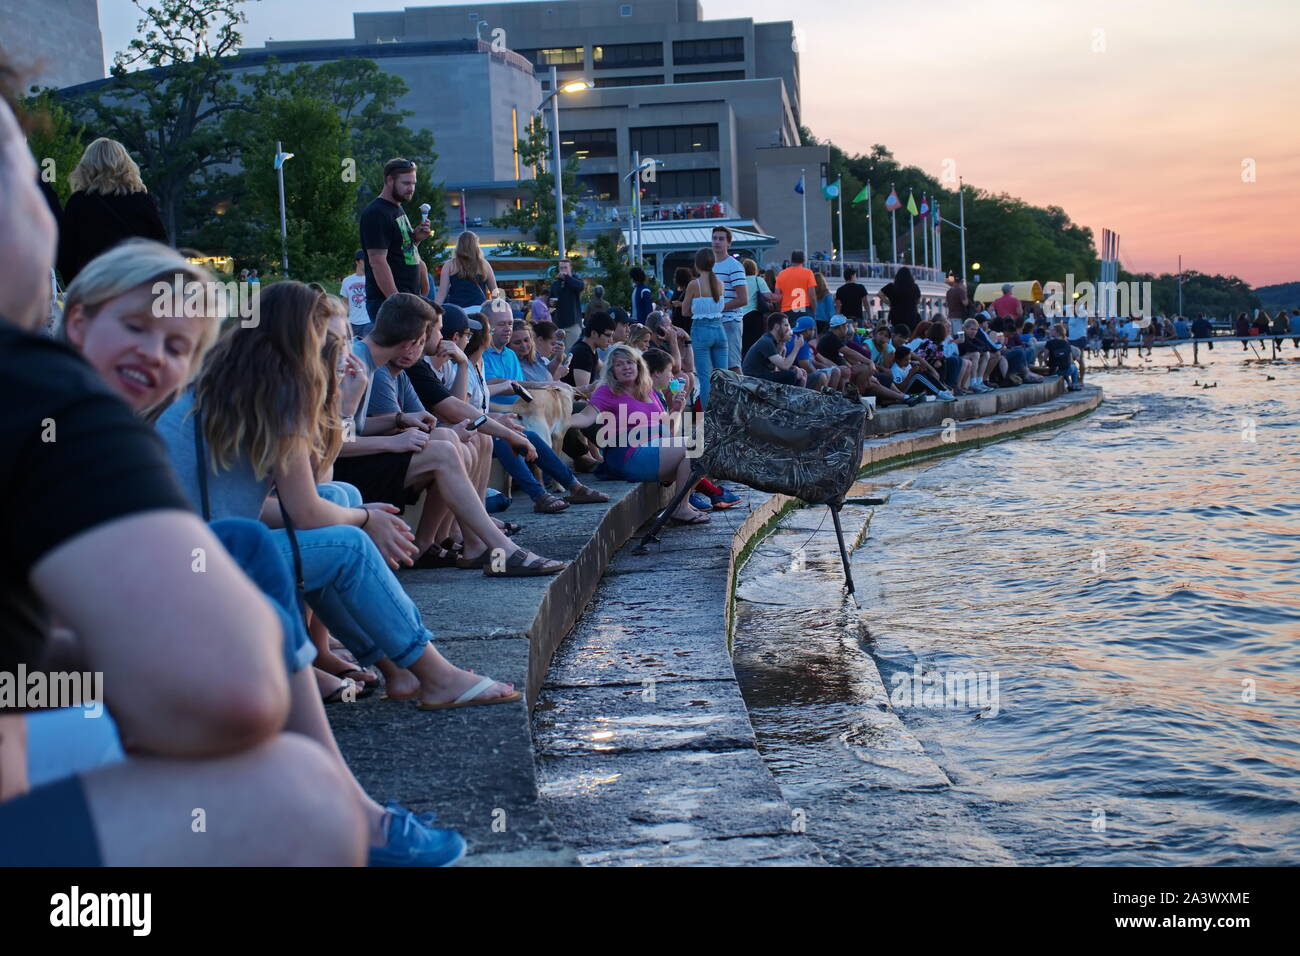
[{"x": 549, "y": 504}]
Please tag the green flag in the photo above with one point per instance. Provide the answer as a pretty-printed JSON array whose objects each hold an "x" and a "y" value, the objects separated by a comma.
[
  {"x": 864, "y": 195},
  {"x": 911, "y": 203}
]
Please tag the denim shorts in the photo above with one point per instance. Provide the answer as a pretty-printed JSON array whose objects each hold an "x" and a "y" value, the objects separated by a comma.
[
  {"x": 641, "y": 464},
  {"x": 734, "y": 332}
]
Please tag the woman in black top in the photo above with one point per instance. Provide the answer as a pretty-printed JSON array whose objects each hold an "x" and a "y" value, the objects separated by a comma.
[
  {"x": 681, "y": 279},
  {"x": 109, "y": 203},
  {"x": 904, "y": 295}
]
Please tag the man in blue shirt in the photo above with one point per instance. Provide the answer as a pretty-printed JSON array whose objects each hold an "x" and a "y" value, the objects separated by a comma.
[
  {"x": 500, "y": 364},
  {"x": 804, "y": 331}
]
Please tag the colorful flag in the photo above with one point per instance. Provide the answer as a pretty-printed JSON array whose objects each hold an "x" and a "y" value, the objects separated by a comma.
[
  {"x": 864, "y": 195},
  {"x": 831, "y": 191},
  {"x": 280, "y": 159},
  {"x": 798, "y": 187},
  {"x": 911, "y": 203},
  {"x": 892, "y": 203},
  {"x": 925, "y": 207}
]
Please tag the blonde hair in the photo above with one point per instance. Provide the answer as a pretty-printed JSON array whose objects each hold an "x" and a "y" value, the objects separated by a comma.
[
  {"x": 640, "y": 389},
  {"x": 469, "y": 259},
  {"x": 637, "y": 336},
  {"x": 106, "y": 167},
  {"x": 132, "y": 264},
  {"x": 823, "y": 290}
]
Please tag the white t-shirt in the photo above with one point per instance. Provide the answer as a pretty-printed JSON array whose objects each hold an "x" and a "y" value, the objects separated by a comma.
[
  {"x": 732, "y": 275},
  {"x": 899, "y": 373},
  {"x": 353, "y": 292}
]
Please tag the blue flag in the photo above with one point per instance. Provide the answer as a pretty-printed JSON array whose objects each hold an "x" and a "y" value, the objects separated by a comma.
[{"x": 798, "y": 187}]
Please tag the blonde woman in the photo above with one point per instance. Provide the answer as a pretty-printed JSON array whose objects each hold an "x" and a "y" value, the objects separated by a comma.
[
  {"x": 632, "y": 420},
  {"x": 111, "y": 314},
  {"x": 466, "y": 280},
  {"x": 109, "y": 203}
]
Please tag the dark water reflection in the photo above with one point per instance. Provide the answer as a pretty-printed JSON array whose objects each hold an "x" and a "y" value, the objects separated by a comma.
[{"x": 1132, "y": 580}]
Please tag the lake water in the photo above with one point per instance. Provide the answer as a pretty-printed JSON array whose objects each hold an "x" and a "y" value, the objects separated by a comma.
[{"x": 1089, "y": 638}]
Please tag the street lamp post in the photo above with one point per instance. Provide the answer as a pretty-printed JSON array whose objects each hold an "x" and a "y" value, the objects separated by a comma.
[
  {"x": 281, "y": 157},
  {"x": 558, "y": 166}
]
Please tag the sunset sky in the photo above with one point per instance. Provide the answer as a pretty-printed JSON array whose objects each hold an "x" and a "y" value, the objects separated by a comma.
[{"x": 1135, "y": 116}]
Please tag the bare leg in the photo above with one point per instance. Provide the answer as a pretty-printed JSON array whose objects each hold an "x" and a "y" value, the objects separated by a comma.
[{"x": 283, "y": 801}]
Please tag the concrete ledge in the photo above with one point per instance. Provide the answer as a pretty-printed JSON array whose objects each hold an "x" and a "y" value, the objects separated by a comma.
[
  {"x": 477, "y": 767},
  {"x": 900, "y": 418}
]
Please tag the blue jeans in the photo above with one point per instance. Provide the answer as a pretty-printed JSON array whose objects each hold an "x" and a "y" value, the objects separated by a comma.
[
  {"x": 641, "y": 463},
  {"x": 547, "y": 460},
  {"x": 1017, "y": 360},
  {"x": 951, "y": 370},
  {"x": 352, "y": 589},
  {"x": 709, "y": 343},
  {"x": 256, "y": 551}
]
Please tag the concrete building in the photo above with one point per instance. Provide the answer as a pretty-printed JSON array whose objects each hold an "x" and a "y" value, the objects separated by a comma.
[
  {"x": 699, "y": 95},
  {"x": 55, "y": 42}
]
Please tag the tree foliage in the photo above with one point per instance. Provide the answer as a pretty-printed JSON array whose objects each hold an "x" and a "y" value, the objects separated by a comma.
[
  {"x": 57, "y": 141},
  {"x": 170, "y": 120}
]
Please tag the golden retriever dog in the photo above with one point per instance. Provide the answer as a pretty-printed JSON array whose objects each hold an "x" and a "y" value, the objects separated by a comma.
[{"x": 548, "y": 413}]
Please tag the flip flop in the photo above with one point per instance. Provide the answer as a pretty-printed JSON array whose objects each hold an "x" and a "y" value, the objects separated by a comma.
[
  {"x": 367, "y": 685},
  {"x": 698, "y": 519},
  {"x": 470, "y": 698},
  {"x": 336, "y": 695}
]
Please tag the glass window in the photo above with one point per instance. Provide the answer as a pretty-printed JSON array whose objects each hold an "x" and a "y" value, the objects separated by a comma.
[
  {"x": 709, "y": 77},
  {"x": 588, "y": 143},
  {"x": 663, "y": 140},
  {"x": 723, "y": 50},
  {"x": 607, "y": 81},
  {"x": 598, "y": 187},
  {"x": 620, "y": 55},
  {"x": 699, "y": 184},
  {"x": 625, "y": 10},
  {"x": 562, "y": 58}
]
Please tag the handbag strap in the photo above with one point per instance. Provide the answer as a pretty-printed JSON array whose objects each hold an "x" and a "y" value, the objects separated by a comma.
[{"x": 201, "y": 464}]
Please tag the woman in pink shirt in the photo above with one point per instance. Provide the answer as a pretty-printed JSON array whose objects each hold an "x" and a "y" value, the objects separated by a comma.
[{"x": 635, "y": 431}]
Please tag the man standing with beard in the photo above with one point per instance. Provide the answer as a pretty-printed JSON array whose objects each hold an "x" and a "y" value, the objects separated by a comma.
[{"x": 392, "y": 260}]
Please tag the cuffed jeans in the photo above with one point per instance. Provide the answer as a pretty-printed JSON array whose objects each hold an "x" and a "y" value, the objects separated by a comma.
[
  {"x": 550, "y": 463},
  {"x": 711, "y": 349},
  {"x": 352, "y": 589},
  {"x": 952, "y": 370}
]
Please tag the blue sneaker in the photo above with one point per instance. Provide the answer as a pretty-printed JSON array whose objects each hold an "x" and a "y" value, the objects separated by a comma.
[
  {"x": 414, "y": 841},
  {"x": 699, "y": 502},
  {"x": 728, "y": 499}
]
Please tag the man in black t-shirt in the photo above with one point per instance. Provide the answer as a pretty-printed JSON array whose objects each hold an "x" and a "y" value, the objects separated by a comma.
[
  {"x": 94, "y": 529},
  {"x": 850, "y": 296},
  {"x": 392, "y": 258},
  {"x": 584, "y": 363},
  {"x": 566, "y": 301}
]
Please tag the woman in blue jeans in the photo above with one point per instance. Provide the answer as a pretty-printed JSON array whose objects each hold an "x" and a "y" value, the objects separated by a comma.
[
  {"x": 702, "y": 303},
  {"x": 552, "y": 467},
  {"x": 269, "y": 403},
  {"x": 111, "y": 317}
]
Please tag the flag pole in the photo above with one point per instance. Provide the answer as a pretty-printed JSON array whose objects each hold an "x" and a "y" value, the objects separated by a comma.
[
  {"x": 803, "y": 194},
  {"x": 840, "y": 197},
  {"x": 911, "y": 235},
  {"x": 893, "y": 224},
  {"x": 871, "y": 231},
  {"x": 925, "y": 236},
  {"x": 961, "y": 205},
  {"x": 284, "y": 232},
  {"x": 938, "y": 241}
]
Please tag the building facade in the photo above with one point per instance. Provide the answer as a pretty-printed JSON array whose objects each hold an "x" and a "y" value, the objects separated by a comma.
[{"x": 54, "y": 42}]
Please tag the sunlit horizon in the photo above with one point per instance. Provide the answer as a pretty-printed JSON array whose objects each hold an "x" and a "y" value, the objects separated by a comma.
[{"x": 1136, "y": 119}]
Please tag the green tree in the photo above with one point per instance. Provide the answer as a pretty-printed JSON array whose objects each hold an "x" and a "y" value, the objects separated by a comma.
[
  {"x": 57, "y": 141},
  {"x": 535, "y": 218},
  {"x": 610, "y": 262},
  {"x": 168, "y": 119}
]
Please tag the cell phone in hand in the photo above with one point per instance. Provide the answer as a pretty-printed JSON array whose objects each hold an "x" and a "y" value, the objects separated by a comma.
[{"x": 522, "y": 392}]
